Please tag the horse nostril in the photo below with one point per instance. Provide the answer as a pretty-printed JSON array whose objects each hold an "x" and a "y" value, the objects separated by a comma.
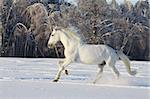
[{"x": 50, "y": 45}]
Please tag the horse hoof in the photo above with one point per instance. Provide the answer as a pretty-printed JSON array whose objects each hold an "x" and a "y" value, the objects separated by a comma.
[
  {"x": 66, "y": 72},
  {"x": 94, "y": 82},
  {"x": 133, "y": 73},
  {"x": 55, "y": 80}
]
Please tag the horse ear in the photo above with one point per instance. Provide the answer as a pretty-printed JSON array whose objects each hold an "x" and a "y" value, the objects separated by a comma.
[
  {"x": 53, "y": 27},
  {"x": 57, "y": 28}
]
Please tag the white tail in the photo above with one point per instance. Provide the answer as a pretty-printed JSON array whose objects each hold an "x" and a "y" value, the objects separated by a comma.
[{"x": 126, "y": 61}]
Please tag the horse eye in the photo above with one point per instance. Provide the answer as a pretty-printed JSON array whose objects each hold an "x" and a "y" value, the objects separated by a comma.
[{"x": 52, "y": 35}]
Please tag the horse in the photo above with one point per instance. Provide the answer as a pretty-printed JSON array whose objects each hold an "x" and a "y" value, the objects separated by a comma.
[{"x": 77, "y": 51}]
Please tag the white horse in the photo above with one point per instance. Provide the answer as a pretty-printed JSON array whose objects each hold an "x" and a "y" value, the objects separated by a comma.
[{"x": 76, "y": 51}]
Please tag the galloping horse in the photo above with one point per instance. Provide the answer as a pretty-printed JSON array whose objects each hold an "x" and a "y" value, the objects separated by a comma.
[{"x": 77, "y": 51}]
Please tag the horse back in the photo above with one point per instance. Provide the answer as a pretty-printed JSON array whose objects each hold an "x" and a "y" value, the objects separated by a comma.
[{"x": 93, "y": 54}]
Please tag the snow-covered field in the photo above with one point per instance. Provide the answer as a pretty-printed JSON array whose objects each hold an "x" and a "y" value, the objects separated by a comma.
[{"x": 22, "y": 78}]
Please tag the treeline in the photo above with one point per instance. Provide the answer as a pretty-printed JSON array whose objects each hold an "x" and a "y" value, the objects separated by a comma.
[{"x": 27, "y": 24}]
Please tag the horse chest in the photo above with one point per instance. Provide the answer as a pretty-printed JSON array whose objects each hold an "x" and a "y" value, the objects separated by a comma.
[{"x": 69, "y": 52}]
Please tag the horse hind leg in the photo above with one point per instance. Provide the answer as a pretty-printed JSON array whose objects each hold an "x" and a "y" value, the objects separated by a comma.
[
  {"x": 111, "y": 63},
  {"x": 116, "y": 72},
  {"x": 99, "y": 74}
]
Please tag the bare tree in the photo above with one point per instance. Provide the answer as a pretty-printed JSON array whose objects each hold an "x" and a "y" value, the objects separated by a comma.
[
  {"x": 124, "y": 27},
  {"x": 121, "y": 27}
]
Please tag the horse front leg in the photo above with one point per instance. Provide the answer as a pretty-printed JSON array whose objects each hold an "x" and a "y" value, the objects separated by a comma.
[
  {"x": 61, "y": 68},
  {"x": 57, "y": 77}
]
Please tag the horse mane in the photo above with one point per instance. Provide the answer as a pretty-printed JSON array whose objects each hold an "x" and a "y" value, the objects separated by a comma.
[{"x": 72, "y": 33}]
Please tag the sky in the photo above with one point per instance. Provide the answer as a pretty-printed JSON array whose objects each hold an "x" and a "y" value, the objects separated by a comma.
[{"x": 119, "y": 1}]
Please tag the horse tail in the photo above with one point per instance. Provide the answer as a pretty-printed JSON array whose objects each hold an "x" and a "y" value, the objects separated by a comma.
[{"x": 126, "y": 61}]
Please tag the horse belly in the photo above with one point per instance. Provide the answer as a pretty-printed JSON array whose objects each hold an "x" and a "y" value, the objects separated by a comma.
[{"x": 90, "y": 56}]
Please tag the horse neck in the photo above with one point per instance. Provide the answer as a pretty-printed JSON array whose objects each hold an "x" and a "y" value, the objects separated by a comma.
[{"x": 67, "y": 42}]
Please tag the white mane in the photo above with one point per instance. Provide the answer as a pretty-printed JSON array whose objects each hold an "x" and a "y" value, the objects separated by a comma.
[{"x": 72, "y": 33}]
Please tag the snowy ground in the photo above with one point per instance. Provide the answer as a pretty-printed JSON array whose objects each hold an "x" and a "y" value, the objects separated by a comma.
[{"x": 22, "y": 78}]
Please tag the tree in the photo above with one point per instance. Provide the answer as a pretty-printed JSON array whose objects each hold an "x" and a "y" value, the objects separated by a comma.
[{"x": 124, "y": 27}]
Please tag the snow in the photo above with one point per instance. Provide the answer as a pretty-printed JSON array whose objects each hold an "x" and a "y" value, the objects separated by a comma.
[{"x": 22, "y": 78}]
